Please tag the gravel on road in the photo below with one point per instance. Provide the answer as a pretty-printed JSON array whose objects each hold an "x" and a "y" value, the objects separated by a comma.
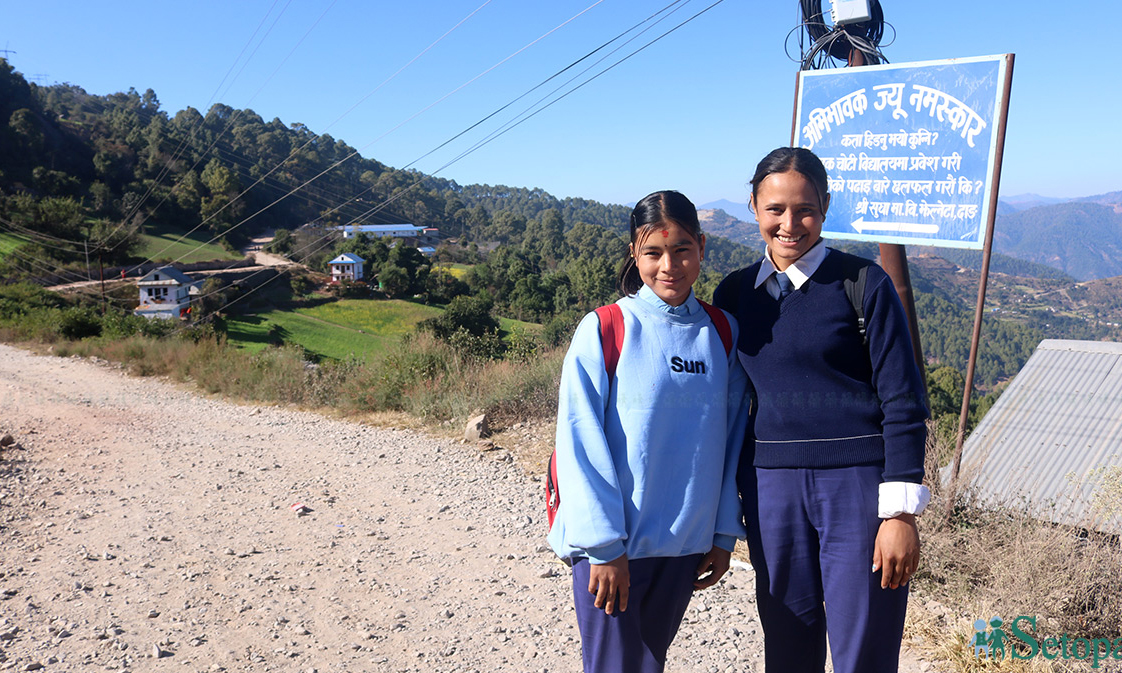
[{"x": 146, "y": 527}]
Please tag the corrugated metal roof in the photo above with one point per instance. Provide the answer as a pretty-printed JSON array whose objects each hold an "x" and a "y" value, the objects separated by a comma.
[
  {"x": 1055, "y": 436},
  {"x": 380, "y": 228}
]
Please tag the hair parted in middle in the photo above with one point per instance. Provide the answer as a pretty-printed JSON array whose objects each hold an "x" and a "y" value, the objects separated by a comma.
[
  {"x": 666, "y": 206},
  {"x": 799, "y": 160}
]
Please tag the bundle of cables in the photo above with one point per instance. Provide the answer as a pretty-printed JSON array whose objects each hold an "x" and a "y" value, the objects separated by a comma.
[{"x": 839, "y": 42}]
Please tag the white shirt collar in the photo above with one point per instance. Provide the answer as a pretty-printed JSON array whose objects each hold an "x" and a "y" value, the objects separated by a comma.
[
  {"x": 688, "y": 307},
  {"x": 799, "y": 272}
]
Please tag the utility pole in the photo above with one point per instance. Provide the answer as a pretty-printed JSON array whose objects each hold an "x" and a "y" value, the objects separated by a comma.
[
  {"x": 101, "y": 277},
  {"x": 894, "y": 261}
]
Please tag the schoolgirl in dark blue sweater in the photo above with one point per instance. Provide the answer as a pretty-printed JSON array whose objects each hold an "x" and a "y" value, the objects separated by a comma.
[{"x": 833, "y": 482}]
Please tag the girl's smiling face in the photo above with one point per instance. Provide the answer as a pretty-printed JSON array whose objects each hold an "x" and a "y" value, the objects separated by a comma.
[
  {"x": 790, "y": 213},
  {"x": 669, "y": 261}
]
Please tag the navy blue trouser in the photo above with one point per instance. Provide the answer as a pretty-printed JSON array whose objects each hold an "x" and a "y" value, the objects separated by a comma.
[
  {"x": 811, "y": 534},
  {"x": 635, "y": 641}
]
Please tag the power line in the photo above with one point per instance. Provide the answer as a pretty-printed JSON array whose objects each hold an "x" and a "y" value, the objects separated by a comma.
[
  {"x": 355, "y": 152},
  {"x": 237, "y": 115},
  {"x": 513, "y": 124},
  {"x": 314, "y": 137},
  {"x": 184, "y": 142},
  {"x": 450, "y": 93},
  {"x": 539, "y": 85}
]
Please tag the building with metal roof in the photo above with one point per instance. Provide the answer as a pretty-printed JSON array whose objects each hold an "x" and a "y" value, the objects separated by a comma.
[
  {"x": 166, "y": 293},
  {"x": 391, "y": 230},
  {"x": 417, "y": 234},
  {"x": 347, "y": 266},
  {"x": 1052, "y": 443}
]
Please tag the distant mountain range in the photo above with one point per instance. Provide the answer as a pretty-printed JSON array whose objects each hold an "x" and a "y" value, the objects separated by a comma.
[
  {"x": 1080, "y": 237},
  {"x": 739, "y": 210},
  {"x": 1025, "y": 201}
]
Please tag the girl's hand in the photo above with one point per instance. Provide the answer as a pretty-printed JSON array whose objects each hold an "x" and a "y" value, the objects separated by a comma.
[
  {"x": 610, "y": 583},
  {"x": 716, "y": 563},
  {"x": 896, "y": 553}
]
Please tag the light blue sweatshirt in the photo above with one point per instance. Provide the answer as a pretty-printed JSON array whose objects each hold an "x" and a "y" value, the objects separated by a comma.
[{"x": 646, "y": 464}]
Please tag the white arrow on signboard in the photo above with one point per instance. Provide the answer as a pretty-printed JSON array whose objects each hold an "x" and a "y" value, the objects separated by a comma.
[{"x": 907, "y": 227}]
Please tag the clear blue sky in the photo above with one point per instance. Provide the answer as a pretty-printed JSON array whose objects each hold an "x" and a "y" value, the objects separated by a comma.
[{"x": 695, "y": 111}]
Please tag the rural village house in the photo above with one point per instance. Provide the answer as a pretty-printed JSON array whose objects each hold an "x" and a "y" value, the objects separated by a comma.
[
  {"x": 347, "y": 266},
  {"x": 165, "y": 293}
]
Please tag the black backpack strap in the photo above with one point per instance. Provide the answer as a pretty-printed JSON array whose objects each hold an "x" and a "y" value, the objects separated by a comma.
[{"x": 856, "y": 274}]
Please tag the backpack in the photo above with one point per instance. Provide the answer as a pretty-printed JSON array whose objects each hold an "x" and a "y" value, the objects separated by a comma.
[
  {"x": 856, "y": 271},
  {"x": 611, "y": 340}
]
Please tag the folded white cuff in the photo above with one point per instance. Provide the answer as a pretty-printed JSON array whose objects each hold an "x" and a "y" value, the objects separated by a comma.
[{"x": 902, "y": 497}]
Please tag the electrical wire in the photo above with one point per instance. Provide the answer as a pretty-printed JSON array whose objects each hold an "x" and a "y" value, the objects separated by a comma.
[
  {"x": 238, "y": 113},
  {"x": 837, "y": 43},
  {"x": 509, "y": 126},
  {"x": 44, "y": 266},
  {"x": 541, "y": 84},
  {"x": 376, "y": 209},
  {"x": 184, "y": 142},
  {"x": 356, "y": 152},
  {"x": 38, "y": 237},
  {"x": 517, "y": 122}
]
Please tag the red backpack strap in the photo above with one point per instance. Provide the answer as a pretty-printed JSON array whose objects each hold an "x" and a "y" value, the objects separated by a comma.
[
  {"x": 611, "y": 335},
  {"x": 721, "y": 322}
]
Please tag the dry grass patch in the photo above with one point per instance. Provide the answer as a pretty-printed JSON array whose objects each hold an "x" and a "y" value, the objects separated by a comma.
[{"x": 984, "y": 562}]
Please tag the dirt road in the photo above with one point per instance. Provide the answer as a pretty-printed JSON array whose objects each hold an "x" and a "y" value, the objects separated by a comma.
[{"x": 147, "y": 528}]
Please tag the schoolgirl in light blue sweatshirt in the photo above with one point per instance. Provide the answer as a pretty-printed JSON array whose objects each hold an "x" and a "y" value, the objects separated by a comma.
[{"x": 647, "y": 460}]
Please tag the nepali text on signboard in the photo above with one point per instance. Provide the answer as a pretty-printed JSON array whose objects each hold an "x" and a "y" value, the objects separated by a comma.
[{"x": 909, "y": 148}]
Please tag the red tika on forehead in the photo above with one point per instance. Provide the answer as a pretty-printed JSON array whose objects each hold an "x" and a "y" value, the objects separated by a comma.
[{"x": 665, "y": 234}]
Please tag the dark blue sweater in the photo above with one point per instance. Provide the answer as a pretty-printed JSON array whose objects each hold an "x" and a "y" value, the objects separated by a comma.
[{"x": 824, "y": 399}]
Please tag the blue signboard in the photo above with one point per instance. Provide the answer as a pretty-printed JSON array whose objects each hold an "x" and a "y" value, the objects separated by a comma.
[{"x": 909, "y": 148}]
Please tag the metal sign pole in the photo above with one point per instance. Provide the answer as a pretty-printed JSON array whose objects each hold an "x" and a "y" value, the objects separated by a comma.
[{"x": 975, "y": 338}]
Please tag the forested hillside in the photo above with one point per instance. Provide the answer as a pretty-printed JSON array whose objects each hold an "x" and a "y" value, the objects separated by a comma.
[{"x": 1083, "y": 239}]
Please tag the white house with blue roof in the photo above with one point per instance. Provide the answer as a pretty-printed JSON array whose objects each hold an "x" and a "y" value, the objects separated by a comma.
[
  {"x": 347, "y": 266},
  {"x": 166, "y": 293}
]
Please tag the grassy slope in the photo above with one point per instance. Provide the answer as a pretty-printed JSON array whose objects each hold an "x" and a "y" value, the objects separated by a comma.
[
  {"x": 320, "y": 338},
  {"x": 8, "y": 243},
  {"x": 360, "y": 327},
  {"x": 163, "y": 244},
  {"x": 508, "y": 325},
  {"x": 390, "y": 318}
]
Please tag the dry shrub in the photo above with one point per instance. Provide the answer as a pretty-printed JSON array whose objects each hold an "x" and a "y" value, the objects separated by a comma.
[
  {"x": 421, "y": 376},
  {"x": 984, "y": 561},
  {"x": 522, "y": 391},
  {"x": 272, "y": 375},
  {"x": 399, "y": 379},
  {"x": 429, "y": 378}
]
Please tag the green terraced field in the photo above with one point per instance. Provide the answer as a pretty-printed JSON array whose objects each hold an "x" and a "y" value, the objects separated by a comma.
[{"x": 360, "y": 327}]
